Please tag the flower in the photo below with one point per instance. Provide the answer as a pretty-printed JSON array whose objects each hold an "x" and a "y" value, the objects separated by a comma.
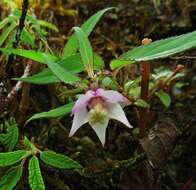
[{"x": 97, "y": 107}]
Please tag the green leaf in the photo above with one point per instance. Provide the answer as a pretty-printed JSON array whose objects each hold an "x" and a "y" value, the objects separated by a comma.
[
  {"x": 58, "y": 160},
  {"x": 73, "y": 64},
  {"x": 46, "y": 24},
  {"x": 10, "y": 158},
  {"x": 27, "y": 37},
  {"x": 4, "y": 22},
  {"x": 161, "y": 48},
  {"x": 6, "y": 33},
  {"x": 141, "y": 103},
  {"x": 35, "y": 177},
  {"x": 72, "y": 45},
  {"x": 29, "y": 145},
  {"x": 117, "y": 63},
  {"x": 164, "y": 97},
  {"x": 44, "y": 77},
  {"x": 35, "y": 56},
  {"x": 98, "y": 62},
  {"x": 10, "y": 139},
  {"x": 57, "y": 112},
  {"x": 61, "y": 72},
  {"x": 11, "y": 178},
  {"x": 85, "y": 48}
]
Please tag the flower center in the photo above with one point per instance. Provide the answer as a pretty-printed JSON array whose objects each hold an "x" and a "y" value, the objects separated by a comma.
[{"x": 97, "y": 112}]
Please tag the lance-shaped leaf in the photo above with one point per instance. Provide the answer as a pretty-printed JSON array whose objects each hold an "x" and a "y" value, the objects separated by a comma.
[
  {"x": 10, "y": 158},
  {"x": 73, "y": 64},
  {"x": 159, "y": 49},
  {"x": 4, "y": 22},
  {"x": 6, "y": 33},
  {"x": 85, "y": 49},
  {"x": 164, "y": 98},
  {"x": 30, "y": 54},
  {"x": 61, "y": 73},
  {"x": 44, "y": 77},
  {"x": 46, "y": 24},
  {"x": 35, "y": 177},
  {"x": 57, "y": 112},
  {"x": 11, "y": 178},
  {"x": 27, "y": 37},
  {"x": 117, "y": 63},
  {"x": 58, "y": 160},
  {"x": 72, "y": 45}
]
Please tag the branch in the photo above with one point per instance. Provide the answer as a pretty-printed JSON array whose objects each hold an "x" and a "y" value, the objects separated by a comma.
[{"x": 17, "y": 37}]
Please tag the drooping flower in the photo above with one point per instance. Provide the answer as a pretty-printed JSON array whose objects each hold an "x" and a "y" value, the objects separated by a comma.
[{"x": 97, "y": 107}]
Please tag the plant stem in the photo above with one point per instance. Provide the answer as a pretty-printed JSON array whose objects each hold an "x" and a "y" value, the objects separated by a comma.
[
  {"x": 144, "y": 96},
  {"x": 160, "y": 86},
  {"x": 144, "y": 93},
  {"x": 17, "y": 37}
]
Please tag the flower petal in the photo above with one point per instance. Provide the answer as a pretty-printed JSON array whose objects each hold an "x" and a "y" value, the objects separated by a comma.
[
  {"x": 100, "y": 129},
  {"x": 80, "y": 118},
  {"x": 82, "y": 101},
  {"x": 116, "y": 112},
  {"x": 111, "y": 96}
]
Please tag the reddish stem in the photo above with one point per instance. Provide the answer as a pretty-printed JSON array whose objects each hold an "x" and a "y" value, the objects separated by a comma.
[
  {"x": 161, "y": 85},
  {"x": 144, "y": 96},
  {"x": 144, "y": 92},
  {"x": 187, "y": 184}
]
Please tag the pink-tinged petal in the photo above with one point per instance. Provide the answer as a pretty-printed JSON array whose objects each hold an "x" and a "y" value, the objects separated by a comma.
[
  {"x": 112, "y": 96},
  {"x": 82, "y": 101},
  {"x": 100, "y": 129},
  {"x": 80, "y": 118},
  {"x": 116, "y": 112}
]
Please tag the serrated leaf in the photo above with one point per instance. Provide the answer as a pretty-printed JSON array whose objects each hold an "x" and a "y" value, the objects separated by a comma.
[
  {"x": 141, "y": 103},
  {"x": 10, "y": 139},
  {"x": 164, "y": 97},
  {"x": 35, "y": 177},
  {"x": 58, "y": 160},
  {"x": 160, "y": 49},
  {"x": 6, "y": 33},
  {"x": 27, "y": 142},
  {"x": 11, "y": 178},
  {"x": 10, "y": 158},
  {"x": 106, "y": 81},
  {"x": 29, "y": 145},
  {"x": 71, "y": 46},
  {"x": 57, "y": 112},
  {"x": 85, "y": 48},
  {"x": 61, "y": 73},
  {"x": 35, "y": 56}
]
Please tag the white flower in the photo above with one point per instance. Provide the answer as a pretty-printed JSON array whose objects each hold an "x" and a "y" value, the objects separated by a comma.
[{"x": 97, "y": 107}]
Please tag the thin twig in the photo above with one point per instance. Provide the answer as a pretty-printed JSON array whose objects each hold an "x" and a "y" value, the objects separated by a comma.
[
  {"x": 183, "y": 57},
  {"x": 17, "y": 37},
  {"x": 19, "y": 84}
]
